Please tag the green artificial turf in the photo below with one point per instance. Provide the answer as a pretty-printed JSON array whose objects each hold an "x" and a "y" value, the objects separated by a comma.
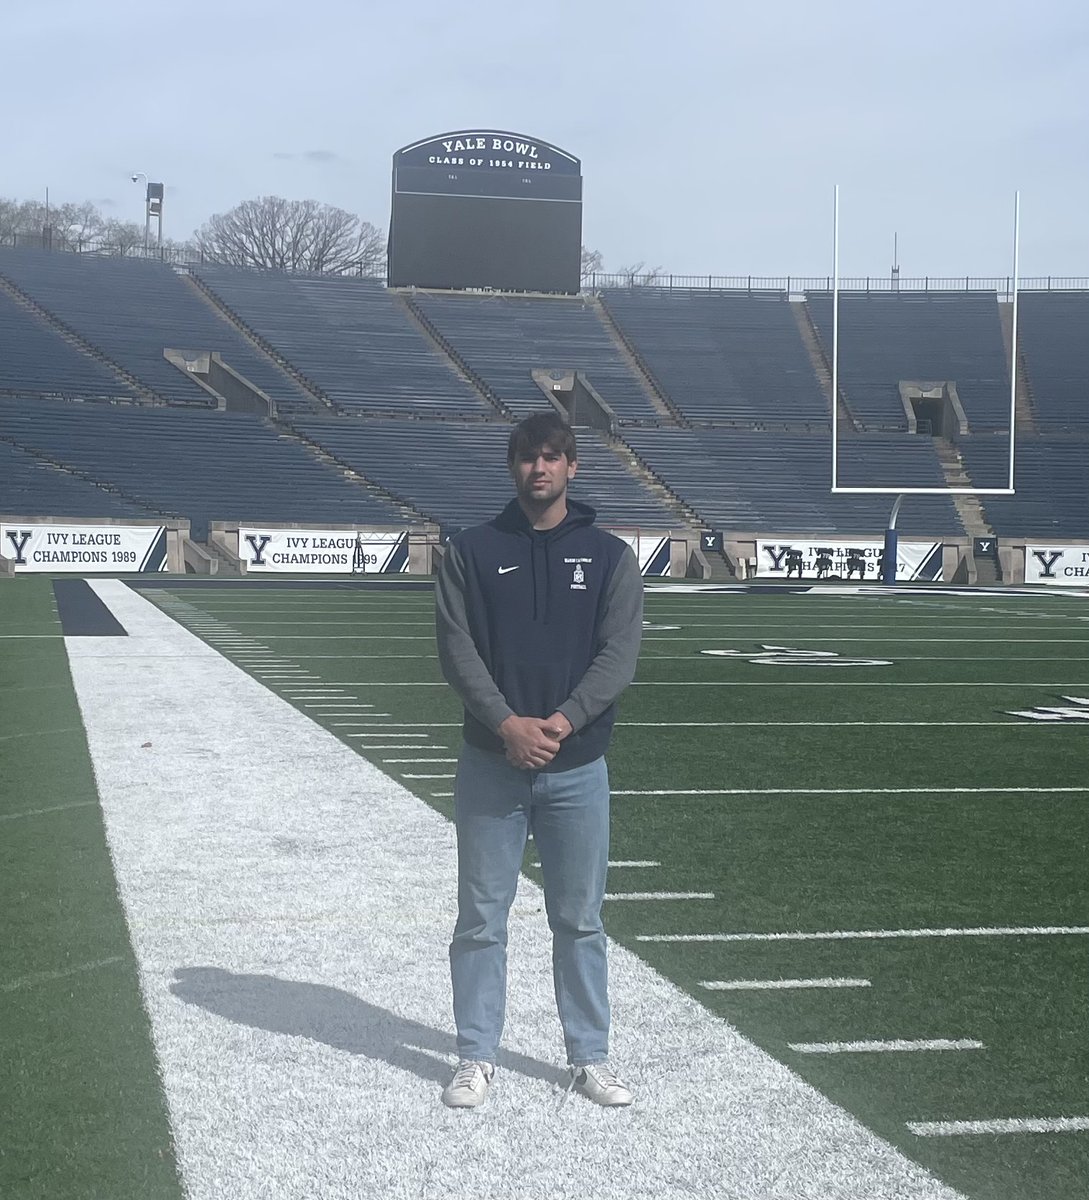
[
  {"x": 796, "y": 860},
  {"x": 83, "y": 1115}
]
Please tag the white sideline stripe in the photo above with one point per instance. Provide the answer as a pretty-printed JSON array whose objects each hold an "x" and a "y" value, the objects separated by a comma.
[
  {"x": 1002, "y": 1125},
  {"x": 760, "y": 985},
  {"x": 41, "y": 812},
  {"x": 659, "y": 895},
  {"x": 7, "y": 737},
  {"x": 896, "y": 1045},
  {"x": 844, "y": 935},
  {"x": 971, "y": 791},
  {"x": 319, "y": 1010},
  {"x": 31, "y": 635},
  {"x": 37, "y": 977},
  {"x": 408, "y": 776},
  {"x": 368, "y": 748}
]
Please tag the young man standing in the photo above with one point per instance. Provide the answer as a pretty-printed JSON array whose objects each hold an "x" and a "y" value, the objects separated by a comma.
[{"x": 538, "y": 616}]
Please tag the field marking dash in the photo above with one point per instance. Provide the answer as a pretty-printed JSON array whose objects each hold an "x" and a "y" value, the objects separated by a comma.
[
  {"x": 420, "y": 760},
  {"x": 428, "y": 776},
  {"x": 659, "y": 895},
  {"x": 1000, "y": 1125},
  {"x": 759, "y": 985},
  {"x": 41, "y": 812},
  {"x": 894, "y": 1045},
  {"x": 843, "y": 935},
  {"x": 52, "y": 976}
]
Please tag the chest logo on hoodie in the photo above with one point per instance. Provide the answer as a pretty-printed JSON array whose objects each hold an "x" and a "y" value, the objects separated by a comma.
[{"x": 578, "y": 576}]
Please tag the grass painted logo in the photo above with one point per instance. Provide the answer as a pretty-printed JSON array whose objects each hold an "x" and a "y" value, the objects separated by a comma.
[
  {"x": 1075, "y": 709},
  {"x": 791, "y": 656}
]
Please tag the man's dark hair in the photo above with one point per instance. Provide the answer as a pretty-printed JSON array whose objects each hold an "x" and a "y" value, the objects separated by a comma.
[{"x": 538, "y": 431}]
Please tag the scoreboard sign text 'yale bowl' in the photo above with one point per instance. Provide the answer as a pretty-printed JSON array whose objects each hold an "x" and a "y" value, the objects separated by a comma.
[
  {"x": 486, "y": 208},
  {"x": 85, "y": 548},
  {"x": 832, "y": 558},
  {"x": 1061, "y": 566},
  {"x": 323, "y": 551}
]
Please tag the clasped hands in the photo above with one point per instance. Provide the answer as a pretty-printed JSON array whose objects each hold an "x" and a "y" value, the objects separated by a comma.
[{"x": 533, "y": 742}]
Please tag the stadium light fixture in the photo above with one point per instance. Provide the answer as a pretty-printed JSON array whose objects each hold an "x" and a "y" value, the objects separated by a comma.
[{"x": 136, "y": 177}]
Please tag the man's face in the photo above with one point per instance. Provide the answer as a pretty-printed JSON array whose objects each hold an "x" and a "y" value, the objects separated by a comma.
[{"x": 541, "y": 475}]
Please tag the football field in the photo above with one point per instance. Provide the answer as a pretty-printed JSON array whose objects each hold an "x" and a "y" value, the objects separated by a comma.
[{"x": 848, "y": 902}]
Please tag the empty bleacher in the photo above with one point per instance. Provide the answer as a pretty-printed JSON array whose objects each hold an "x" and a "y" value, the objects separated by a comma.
[
  {"x": 132, "y": 309},
  {"x": 722, "y": 357},
  {"x": 754, "y": 482},
  {"x": 350, "y": 338},
  {"x": 31, "y": 487},
  {"x": 1053, "y": 336},
  {"x": 889, "y": 337},
  {"x": 36, "y": 360},
  {"x": 455, "y": 472},
  {"x": 1051, "y": 481},
  {"x": 503, "y": 338},
  {"x": 204, "y": 465}
]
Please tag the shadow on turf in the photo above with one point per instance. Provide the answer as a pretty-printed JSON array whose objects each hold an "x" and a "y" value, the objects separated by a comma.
[{"x": 337, "y": 1018}]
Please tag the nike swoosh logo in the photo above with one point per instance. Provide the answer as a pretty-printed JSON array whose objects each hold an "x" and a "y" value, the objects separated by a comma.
[{"x": 506, "y": 570}]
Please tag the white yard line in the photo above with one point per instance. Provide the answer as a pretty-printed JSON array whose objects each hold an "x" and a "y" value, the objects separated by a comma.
[
  {"x": 659, "y": 895},
  {"x": 304, "y": 1057},
  {"x": 942, "y": 791},
  {"x": 893, "y": 1046},
  {"x": 999, "y": 1126},
  {"x": 844, "y": 724},
  {"x": 847, "y": 935},
  {"x": 763, "y": 985}
]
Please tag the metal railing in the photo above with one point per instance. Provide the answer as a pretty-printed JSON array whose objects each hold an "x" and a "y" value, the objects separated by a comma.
[
  {"x": 783, "y": 286},
  {"x": 788, "y": 286}
]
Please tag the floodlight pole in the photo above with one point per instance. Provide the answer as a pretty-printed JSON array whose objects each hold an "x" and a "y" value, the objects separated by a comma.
[
  {"x": 888, "y": 562},
  {"x": 835, "y": 335},
  {"x": 1013, "y": 330}
]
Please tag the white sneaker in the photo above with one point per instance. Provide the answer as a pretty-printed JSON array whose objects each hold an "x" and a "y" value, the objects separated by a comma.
[
  {"x": 469, "y": 1086},
  {"x": 599, "y": 1083}
]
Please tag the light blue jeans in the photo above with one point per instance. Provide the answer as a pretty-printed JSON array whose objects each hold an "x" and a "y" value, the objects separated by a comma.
[{"x": 496, "y": 807}]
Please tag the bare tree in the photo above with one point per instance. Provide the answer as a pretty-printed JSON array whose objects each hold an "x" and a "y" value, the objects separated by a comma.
[
  {"x": 592, "y": 264},
  {"x": 296, "y": 235},
  {"x": 122, "y": 237},
  {"x": 640, "y": 275}
]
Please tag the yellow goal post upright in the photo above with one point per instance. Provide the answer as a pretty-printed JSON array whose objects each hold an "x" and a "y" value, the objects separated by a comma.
[{"x": 888, "y": 565}]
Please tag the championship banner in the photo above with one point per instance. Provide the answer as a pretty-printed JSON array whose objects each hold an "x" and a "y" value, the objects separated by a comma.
[
  {"x": 1059, "y": 566},
  {"x": 652, "y": 551},
  {"x": 323, "y": 551},
  {"x": 84, "y": 548},
  {"x": 837, "y": 558}
]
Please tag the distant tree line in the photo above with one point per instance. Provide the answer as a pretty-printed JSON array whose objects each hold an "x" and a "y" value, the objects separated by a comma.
[{"x": 269, "y": 231}]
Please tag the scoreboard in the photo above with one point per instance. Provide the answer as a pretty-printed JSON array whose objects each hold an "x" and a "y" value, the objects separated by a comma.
[{"x": 486, "y": 209}]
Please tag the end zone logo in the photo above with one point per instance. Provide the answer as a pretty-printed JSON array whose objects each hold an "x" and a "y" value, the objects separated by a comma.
[{"x": 789, "y": 656}]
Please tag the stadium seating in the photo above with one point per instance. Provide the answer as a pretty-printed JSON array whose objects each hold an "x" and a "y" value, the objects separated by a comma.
[
  {"x": 503, "y": 338},
  {"x": 350, "y": 338},
  {"x": 756, "y": 482},
  {"x": 1051, "y": 478},
  {"x": 132, "y": 309},
  {"x": 201, "y": 465},
  {"x": 722, "y": 357},
  {"x": 31, "y": 487},
  {"x": 1053, "y": 335},
  {"x": 456, "y": 473},
  {"x": 888, "y": 337},
  {"x": 36, "y": 360}
]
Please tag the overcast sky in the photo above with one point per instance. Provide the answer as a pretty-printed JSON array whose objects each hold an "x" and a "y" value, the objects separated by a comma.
[{"x": 711, "y": 133}]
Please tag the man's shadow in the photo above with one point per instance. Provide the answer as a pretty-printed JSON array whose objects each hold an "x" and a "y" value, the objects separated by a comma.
[{"x": 337, "y": 1018}]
